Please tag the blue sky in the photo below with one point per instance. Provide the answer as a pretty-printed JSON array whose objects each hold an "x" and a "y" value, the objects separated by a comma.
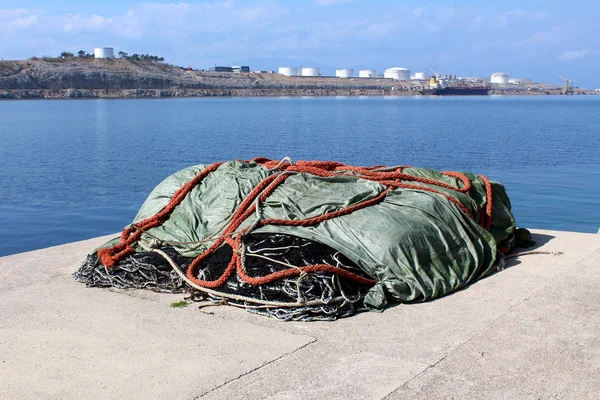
[{"x": 527, "y": 38}]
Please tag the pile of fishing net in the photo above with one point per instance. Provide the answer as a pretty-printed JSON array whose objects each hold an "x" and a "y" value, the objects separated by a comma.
[
  {"x": 310, "y": 240},
  {"x": 318, "y": 296}
]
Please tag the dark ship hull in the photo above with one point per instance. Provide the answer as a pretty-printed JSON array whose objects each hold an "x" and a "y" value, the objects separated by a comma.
[{"x": 456, "y": 91}]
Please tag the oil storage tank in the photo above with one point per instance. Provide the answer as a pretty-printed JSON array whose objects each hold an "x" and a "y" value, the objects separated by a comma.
[
  {"x": 367, "y": 73},
  {"x": 104, "y": 52},
  {"x": 288, "y": 71},
  {"x": 310, "y": 71},
  {"x": 499, "y": 77},
  {"x": 520, "y": 81},
  {"x": 397, "y": 73},
  {"x": 421, "y": 76},
  {"x": 344, "y": 73}
]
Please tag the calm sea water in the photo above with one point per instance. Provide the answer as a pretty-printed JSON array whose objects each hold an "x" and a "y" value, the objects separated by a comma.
[{"x": 76, "y": 169}]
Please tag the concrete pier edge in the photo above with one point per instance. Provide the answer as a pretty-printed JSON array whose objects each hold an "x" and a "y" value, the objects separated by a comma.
[{"x": 528, "y": 332}]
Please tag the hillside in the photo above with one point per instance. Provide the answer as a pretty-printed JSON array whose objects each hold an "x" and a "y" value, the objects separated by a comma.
[{"x": 88, "y": 77}]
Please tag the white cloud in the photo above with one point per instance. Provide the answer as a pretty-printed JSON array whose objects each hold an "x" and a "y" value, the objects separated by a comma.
[
  {"x": 333, "y": 2},
  {"x": 237, "y": 26},
  {"x": 478, "y": 21},
  {"x": 16, "y": 20},
  {"x": 23, "y": 23},
  {"x": 551, "y": 35},
  {"x": 76, "y": 23},
  {"x": 538, "y": 38},
  {"x": 253, "y": 14},
  {"x": 8, "y": 14},
  {"x": 201, "y": 33},
  {"x": 573, "y": 55},
  {"x": 516, "y": 16},
  {"x": 98, "y": 21}
]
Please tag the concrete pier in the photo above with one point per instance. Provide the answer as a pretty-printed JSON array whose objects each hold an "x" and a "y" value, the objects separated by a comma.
[{"x": 528, "y": 332}]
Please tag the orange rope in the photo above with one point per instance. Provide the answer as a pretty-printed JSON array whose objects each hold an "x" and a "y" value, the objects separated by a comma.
[
  {"x": 489, "y": 205},
  {"x": 110, "y": 256},
  {"x": 390, "y": 179}
]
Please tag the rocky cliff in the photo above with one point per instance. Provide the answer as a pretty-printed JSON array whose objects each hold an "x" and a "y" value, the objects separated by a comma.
[{"x": 113, "y": 78}]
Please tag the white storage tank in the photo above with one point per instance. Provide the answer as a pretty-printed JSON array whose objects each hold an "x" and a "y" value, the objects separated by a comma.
[
  {"x": 104, "y": 52},
  {"x": 421, "y": 76},
  {"x": 288, "y": 71},
  {"x": 520, "y": 81},
  {"x": 344, "y": 73},
  {"x": 397, "y": 73},
  {"x": 311, "y": 71},
  {"x": 367, "y": 73},
  {"x": 499, "y": 77}
]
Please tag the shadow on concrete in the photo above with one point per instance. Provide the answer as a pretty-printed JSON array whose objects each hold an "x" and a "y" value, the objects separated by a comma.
[
  {"x": 513, "y": 262},
  {"x": 540, "y": 240}
]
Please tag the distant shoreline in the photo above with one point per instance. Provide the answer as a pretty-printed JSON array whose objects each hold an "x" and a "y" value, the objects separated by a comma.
[
  {"x": 88, "y": 78},
  {"x": 82, "y": 94},
  {"x": 32, "y": 94}
]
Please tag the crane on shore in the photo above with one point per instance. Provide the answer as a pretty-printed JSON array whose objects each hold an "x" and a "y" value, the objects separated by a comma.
[
  {"x": 434, "y": 73},
  {"x": 568, "y": 85}
]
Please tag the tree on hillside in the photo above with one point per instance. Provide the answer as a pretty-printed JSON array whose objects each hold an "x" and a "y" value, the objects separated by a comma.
[
  {"x": 81, "y": 53},
  {"x": 66, "y": 54},
  {"x": 141, "y": 57}
]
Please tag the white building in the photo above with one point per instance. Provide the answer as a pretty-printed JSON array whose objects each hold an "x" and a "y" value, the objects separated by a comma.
[
  {"x": 367, "y": 73},
  {"x": 421, "y": 76},
  {"x": 397, "y": 73},
  {"x": 344, "y": 73},
  {"x": 499, "y": 77},
  {"x": 311, "y": 71},
  {"x": 104, "y": 52},
  {"x": 288, "y": 71}
]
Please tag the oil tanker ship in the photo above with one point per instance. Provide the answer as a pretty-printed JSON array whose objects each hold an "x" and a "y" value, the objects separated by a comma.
[{"x": 453, "y": 87}]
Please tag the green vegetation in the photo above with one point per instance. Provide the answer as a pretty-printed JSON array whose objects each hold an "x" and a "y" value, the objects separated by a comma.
[
  {"x": 179, "y": 304},
  {"x": 122, "y": 55},
  {"x": 68, "y": 54},
  {"x": 141, "y": 57}
]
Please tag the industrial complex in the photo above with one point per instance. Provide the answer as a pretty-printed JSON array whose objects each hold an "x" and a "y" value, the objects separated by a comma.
[
  {"x": 399, "y": 74},
  {"x": 106, "y": 74},
  {"x": 429, "y": 82},
  {"x": 424, "y": 82}
]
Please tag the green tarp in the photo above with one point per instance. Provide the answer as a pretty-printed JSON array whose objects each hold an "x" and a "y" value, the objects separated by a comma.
[{"x": 418, "y": 245}]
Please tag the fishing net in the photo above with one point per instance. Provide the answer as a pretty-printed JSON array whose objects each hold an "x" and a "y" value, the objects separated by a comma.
[
  {"x": 310, "y": 240},
  {"x": 327, "y": 296}
]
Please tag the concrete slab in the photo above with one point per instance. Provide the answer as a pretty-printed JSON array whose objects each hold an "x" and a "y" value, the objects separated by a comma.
[
  {"x": 420, "y": 334},
  {"x": 44, "y": 265},
  {"x": 546, "y": 347},
  {"x": 460, "y": 315},
  {"x": 59, "y": 339},
  {"x": 322, "y": 371},
  {"x": 525, "y": 332}
]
